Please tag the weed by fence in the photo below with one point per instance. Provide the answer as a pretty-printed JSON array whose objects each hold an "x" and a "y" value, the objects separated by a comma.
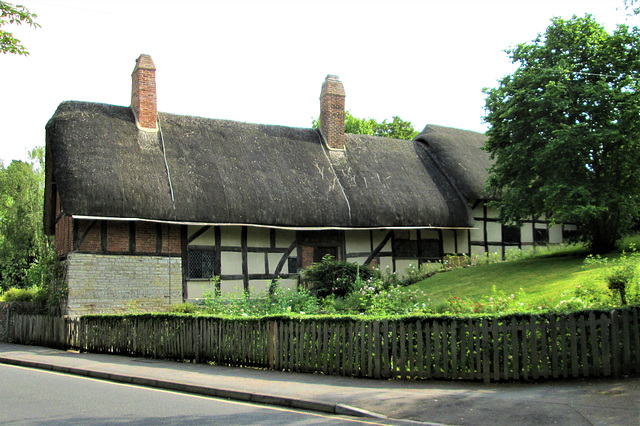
[{"x": 517, "y": 347}]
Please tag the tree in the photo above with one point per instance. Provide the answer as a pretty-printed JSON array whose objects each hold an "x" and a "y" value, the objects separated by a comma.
[
  {"x": 397, "y": 129},
  {"x": 10, "y": 14},
  {"x": 631, "y": 6},
  {"x": 23, "y": 245},
  {"x": 565, "y": 131}
]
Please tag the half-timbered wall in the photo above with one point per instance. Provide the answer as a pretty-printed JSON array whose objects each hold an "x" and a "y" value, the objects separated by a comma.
[
  {"x": 129, "y": 263},
  {"x": 490, "y": 236},
  {"x": 250, "y": 258},
  {"x": 245, "y": 258}
]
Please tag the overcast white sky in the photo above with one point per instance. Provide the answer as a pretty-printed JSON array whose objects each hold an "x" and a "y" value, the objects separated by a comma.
[{"x": 264, "y": 61}]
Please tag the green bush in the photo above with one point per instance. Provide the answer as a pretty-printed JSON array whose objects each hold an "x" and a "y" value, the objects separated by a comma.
[
  {"x": 185, "y": 308},
  {"x": 292, "y": 300},
  {"x": 31, "y": 294},
  {"x": 334, "y": 276},
  {"x": 619, "y": 274},
  {"x": 628, "y": 243},
  {"x": 279, "y": 302},
  {"x": 413, "y": 273},
  {"x": 619, "y": 278}
]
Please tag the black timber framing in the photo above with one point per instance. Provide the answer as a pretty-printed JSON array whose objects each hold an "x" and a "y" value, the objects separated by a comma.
[
  {"x": 366, "y": 254},
  {"x": 253, "y": 249},
  {"x": 132, "y": 237},
  {"x": 485, "y": 215},
  {"x": 455, "y": 241},
  {"x": 217, "y": 267},
  {"x": 197, "y": 234},
  {"x": 184, "y": 235},
  {"x": 255, "y": 276},
  {"x": 244, "y": 250},
  {"x": 104, "y": 225},
  {"x": 60, "y": 215},
  {"x": 159, "y": 238},
  {"x": 124, "y": 253},
  {"x": 283, "y": 260},
  {"x": 79, "y": 240},
  {"x": 379, "y": 247},
  {"x": 486, "y": 242},
  {"x": 393, "y": 258},
  {"x": 245, "y": 260}
]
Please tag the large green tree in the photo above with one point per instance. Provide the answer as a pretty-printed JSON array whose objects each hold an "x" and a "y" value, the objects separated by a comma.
[
  {"x": 631, "y": 7},
  {"x": 397, "y": 128},
  {"x": 565, "y": 130},
  {"x": 23, "y": 245},
  {"x": 10, "y": 15}
]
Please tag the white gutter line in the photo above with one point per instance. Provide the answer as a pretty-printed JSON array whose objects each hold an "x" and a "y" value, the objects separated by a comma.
[{"x": 291, "y": 228}]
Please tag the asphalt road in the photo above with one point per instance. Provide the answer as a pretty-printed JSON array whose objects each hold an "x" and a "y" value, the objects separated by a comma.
[{"x": 34, "y": 397}]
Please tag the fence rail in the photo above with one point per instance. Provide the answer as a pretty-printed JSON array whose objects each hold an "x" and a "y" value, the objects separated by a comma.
[{"x": 588, "y": 344}]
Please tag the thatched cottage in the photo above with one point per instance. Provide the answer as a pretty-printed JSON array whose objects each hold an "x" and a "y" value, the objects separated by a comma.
[{"x": 146, "y": 207}]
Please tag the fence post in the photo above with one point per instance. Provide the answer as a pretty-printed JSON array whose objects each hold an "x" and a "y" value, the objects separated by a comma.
[
  {"x": 271, "y": 344},
  {"x": 7, "y": 326}
]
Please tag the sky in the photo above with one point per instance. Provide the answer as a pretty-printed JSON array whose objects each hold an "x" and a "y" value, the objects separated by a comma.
[{"x": 264, "y": 61}]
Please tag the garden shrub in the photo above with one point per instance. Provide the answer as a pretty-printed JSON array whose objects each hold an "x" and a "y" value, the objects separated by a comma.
[
  {"x": 619, "y": 274},
  {"x": 619, "y": 278},
  {"x": 291, "y": 300},
  {"x": 628, "y": 243},
  {"x": 185, "y": 308},
  {"x": 585, "y": 296},
  {"x": 30, "y": 294},
  {"x": 278, "y": 302},
  {"x": 415, "y": 274},
  {"x": 335, "y": 277}
]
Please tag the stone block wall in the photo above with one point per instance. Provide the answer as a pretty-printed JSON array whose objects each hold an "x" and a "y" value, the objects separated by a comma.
[{"x": 99, "y": 283}]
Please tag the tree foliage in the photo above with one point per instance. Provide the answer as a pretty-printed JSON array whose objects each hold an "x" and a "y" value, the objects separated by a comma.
[
  {"x": 336, "y": 277},
  {"x": 565, "y": 130},
  {"x": 631, "y": 7},
  {"x": 397, "y": 128},
  {"x": 25, "y": 252},
  {"x": 18, "y": 15}
]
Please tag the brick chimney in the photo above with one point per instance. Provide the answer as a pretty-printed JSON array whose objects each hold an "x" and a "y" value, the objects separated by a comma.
[
  {"x": 332, "y": 112},
  {"x": 143, "y": 93}
]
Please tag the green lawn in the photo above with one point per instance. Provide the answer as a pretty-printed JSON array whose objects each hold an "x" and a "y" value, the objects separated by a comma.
[{"x": 541, "y": 278}]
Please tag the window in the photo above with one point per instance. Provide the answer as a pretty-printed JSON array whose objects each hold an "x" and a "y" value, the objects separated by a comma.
[
  {"x": 430, "y": 249},
  {"x": 408, "y": 249},
  {"x": 405, "y": 248},
  {"x": 293, "y": 265},
  {"x": 510, "y": 234},
  {"x": 541, "y": 236},
  {"x": 569, "y": 235},
  {"x": 201, "y": 263}
]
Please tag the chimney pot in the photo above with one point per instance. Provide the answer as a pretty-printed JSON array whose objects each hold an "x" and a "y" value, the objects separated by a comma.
[
  {"x": 332, "y": 112},
  {"x": 143, "y": 93}
]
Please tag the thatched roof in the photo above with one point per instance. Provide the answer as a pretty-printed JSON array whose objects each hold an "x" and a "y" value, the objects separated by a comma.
[
  {"x": 228, "y": 172},
  {"x": 460, "y": 155}
]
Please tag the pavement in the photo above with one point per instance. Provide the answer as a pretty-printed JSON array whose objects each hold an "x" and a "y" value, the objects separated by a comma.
[{"x": 563, "y": 402}]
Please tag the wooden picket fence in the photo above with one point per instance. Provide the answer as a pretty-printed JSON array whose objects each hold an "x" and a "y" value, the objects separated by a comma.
[{"x": 518, "y": 347}]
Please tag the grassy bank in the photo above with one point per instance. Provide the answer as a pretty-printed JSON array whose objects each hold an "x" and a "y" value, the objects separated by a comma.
[{"x": 544, "y": 277}]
